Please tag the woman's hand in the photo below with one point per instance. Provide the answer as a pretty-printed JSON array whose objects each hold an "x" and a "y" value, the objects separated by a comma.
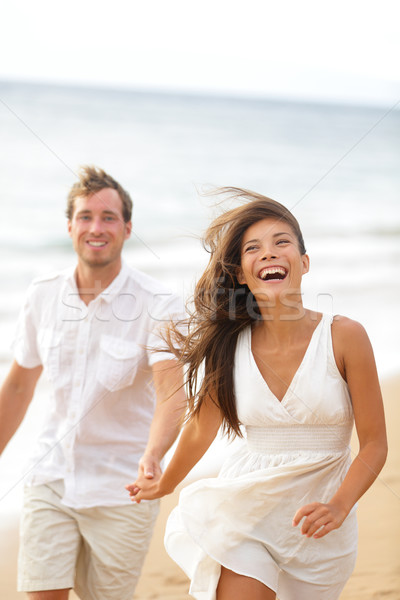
[
  {"x": 320, "y": 519},
  {"x": 146, "y": 489}
]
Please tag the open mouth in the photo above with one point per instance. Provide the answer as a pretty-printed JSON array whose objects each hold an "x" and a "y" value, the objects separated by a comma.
[{"x": 272, "y": 274}]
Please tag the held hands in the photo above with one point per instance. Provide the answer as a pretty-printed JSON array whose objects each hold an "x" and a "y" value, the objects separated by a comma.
[
  {"x": 320, "y": 519},
  {"x": 147, "y": 485},
  {"x": 148, "y": 490}
]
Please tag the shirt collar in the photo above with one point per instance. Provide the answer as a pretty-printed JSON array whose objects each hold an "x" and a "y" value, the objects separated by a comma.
[
  {"x": 110, "y": 292},
  {"x": 116, "y": 285}
]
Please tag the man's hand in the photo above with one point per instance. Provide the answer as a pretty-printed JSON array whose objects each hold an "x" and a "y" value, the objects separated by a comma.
[
  {"x": 147, "y": 487},
  {"x": 149, "y": 468},
  {"x": 320, "y": 519}
]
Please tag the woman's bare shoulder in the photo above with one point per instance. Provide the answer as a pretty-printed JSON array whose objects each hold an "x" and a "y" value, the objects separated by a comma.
[
  {"x": 349, "y": 338},
  {"x": 345, "y": 327}
]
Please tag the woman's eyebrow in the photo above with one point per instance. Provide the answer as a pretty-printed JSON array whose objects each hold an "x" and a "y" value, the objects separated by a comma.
[
  {"x": 274, "y": 235},
  {"x": 282, "y": 233}
]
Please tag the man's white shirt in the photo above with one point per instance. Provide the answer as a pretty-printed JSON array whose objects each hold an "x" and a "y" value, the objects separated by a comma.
[{"x": 98, "y": 358}]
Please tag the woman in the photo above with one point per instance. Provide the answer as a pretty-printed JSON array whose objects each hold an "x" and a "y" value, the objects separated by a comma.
[{"x": 279, "y": 521}]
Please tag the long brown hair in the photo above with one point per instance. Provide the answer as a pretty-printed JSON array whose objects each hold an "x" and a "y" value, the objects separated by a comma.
[{"x": 222, "y": 307}]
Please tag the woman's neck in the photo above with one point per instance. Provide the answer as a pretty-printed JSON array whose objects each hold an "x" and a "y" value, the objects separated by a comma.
[{"x": 284, "y": 325}]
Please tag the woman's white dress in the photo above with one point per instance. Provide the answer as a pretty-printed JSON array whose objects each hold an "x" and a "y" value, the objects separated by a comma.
[{"x": 297, "y": 451}]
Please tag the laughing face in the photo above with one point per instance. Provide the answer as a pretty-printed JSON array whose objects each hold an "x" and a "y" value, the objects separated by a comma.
[
  {"x": 271, "y": 262},
  {"x": 98, "y": 230}
]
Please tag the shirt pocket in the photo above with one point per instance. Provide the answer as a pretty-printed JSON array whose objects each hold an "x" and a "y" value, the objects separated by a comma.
[
  {"x": 118, "y": 362},
  {"x": 50, "y": 343}
]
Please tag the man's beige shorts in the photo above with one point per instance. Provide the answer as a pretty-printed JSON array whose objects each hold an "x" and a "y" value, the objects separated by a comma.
[{"x": 97, "y": 551}]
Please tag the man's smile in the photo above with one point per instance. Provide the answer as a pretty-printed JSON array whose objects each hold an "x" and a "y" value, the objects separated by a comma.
[{"x": 97, "y": 243}]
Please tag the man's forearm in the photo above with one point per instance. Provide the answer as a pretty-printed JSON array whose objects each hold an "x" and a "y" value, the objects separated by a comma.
[
  {"x": 15, "y": 396},
  {"x": 168, "y": 415},
  {"x": 165, "y": 426}
]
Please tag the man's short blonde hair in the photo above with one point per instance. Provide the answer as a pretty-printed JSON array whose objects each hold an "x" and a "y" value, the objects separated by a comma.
[{"x": 92, "y": 180}]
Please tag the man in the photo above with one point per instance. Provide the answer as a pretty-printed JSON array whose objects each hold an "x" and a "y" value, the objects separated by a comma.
[{"x": 92, "y": 330}]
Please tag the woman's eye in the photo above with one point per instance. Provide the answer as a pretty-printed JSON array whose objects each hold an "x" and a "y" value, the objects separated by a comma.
[
  {"x": 282, "y": 242},
  {"x": 249, "y": 248}
]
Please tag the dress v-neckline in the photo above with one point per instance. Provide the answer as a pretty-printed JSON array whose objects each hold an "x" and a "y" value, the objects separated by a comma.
[{"x": 293, "y": 380}]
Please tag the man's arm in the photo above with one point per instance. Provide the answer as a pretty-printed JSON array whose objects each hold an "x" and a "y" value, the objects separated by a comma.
[
  {"x": 15, "y": 396},
  {"x": 197, "y": 436},
  {"x": 167, "y": 420}
]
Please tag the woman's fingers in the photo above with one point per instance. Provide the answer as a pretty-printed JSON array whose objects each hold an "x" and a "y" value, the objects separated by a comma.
[{"x": 319, "y": 519}]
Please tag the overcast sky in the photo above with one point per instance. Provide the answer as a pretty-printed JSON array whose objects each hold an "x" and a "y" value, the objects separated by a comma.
[{"x": 335, "y": 50}]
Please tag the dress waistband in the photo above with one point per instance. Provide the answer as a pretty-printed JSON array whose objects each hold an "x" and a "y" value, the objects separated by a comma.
[{"x": 292, "y": 438}]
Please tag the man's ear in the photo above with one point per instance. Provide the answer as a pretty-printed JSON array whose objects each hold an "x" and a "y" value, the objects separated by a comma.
[
  {"x": 69, "y": 227},
  {"x": 128, "y": 229}
]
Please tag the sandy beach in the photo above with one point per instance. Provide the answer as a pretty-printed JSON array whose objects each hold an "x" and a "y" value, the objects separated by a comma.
[{"x": 377, "y": 573}]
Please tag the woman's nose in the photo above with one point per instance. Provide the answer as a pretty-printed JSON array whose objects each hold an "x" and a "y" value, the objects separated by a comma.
[{"x": 268, "y": 254}]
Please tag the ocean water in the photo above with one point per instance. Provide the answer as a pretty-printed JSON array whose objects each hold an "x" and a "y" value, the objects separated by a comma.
[{"x": 335, "y": 166}]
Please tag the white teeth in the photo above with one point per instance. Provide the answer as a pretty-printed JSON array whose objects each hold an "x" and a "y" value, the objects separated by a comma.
[
  {"x": 97, "y": 244},
  {"x": 272, "y": 271}
]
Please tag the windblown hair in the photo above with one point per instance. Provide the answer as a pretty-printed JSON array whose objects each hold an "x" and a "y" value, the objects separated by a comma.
[
  {"x": 92, "y": 180},
  {"x": 222, "y": 307}
]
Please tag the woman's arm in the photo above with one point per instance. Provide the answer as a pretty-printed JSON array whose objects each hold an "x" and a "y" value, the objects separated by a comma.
[
  {"x": 195, "y": 439},
  {"x": 355, "y": 360}
]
